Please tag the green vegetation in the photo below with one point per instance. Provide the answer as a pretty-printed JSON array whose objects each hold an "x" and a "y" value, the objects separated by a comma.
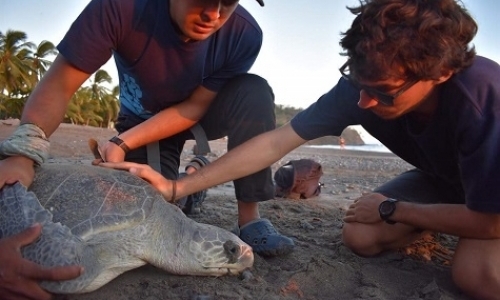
[
  {"x": 285, "y": 114},
  {"x": 23, "y": 64}
]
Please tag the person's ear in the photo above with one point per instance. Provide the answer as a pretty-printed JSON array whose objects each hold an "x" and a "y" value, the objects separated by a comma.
[{"x": 445, "y": 76}]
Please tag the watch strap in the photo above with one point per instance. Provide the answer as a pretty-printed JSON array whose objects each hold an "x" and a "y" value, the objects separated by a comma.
[{"x": 120, "y": 143}]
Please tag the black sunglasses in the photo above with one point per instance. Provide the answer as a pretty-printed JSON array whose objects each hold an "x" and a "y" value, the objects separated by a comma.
[{"x": 379, "y": 96}]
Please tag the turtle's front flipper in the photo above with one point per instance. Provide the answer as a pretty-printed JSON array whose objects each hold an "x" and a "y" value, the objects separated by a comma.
[
  {"x": 19, "y": 209},
  {"x": 57, "y": 246}
]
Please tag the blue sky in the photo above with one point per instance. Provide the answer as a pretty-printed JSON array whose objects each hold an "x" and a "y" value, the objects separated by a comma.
[{"x": 300, "y": 55}]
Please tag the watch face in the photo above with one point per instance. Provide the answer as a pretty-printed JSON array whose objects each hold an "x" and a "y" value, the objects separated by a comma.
[{"x": 387, "y": 208}]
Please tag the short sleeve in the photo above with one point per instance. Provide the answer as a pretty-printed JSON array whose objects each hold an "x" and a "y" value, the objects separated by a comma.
[
  {"x": 243, "y": 39},
  {"x": 91, "y": 39},
  {"x": 331, "y": 114}
]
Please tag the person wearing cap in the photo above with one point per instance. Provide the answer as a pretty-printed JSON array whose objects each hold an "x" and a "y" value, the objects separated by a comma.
[
  {"x": 180, "y": 63},
  {"x": 413, "y": 81}
]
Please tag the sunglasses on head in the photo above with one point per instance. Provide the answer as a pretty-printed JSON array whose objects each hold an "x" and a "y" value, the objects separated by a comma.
[{"x": 379, "y": 96}]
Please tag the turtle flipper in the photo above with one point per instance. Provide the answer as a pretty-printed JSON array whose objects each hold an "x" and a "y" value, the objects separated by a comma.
[
  {"x": 56, "y": 246},
  {"x": 19, "y": 210}
]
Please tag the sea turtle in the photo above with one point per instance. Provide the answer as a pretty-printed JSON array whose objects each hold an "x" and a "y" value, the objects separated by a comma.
[{"x": 109, "y": 222}]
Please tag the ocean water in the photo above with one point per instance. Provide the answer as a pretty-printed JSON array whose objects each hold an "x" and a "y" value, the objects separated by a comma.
[{"x": 366, "y": 147}]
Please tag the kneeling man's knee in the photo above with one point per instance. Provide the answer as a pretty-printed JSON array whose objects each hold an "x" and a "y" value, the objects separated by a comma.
[
  {"x": 356, "y": 237},
  {"x": 479, "y": 280}
]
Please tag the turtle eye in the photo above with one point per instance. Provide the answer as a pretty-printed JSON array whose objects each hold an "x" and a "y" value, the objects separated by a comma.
[{"x": 232, "y": 251}]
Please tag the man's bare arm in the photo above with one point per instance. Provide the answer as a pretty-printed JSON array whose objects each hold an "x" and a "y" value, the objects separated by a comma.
[
  {"x": 48, "y": 103},
  {"x": 172, "y": 120},
  {"x": 248, "y": 158}
]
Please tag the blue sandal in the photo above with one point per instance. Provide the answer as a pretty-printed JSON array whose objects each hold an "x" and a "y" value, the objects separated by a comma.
[{"x": 265, "y": 240}]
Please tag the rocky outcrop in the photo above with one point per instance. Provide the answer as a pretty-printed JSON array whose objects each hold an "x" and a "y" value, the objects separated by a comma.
[{"x": 350, "y": 136}]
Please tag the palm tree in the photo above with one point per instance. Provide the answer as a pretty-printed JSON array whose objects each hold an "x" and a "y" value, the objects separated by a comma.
[
  {"x": 110, "y": 107},
  {"x": 39, "y": 61},
  {"x": 98, "y": 90},
  {"x": 83, "y": 108},
  {"x": 16, "y": 72},
  {"x": 12, "y": 105},
  {"x": 22, "y": 65},
  {"x": 106, "y": 102}
]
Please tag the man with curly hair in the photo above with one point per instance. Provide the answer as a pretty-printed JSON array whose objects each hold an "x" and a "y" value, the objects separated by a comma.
[
  {"x": 412, "y": 81},
  {"x": 180, "y": 63}
]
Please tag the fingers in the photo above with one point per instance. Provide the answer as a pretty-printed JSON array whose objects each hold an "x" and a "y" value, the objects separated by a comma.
[
  {"x": 19, "y": 277},
  {"x": 27, "y": 236},
  {"x": 25, "y": 290},
  {"x": 35, "y": 271},
  {"x": 124, "y": 165},
  {"x": 151, "y": 176},
  {"x": 350, "y": 214},
  {"x": 8, "y": 181},
  {"x": 96, "y": 151},
  {"x": 97, "y": 162},
  {"x": 140, "y": 170},
  {"x": 145, "y": 172},
  {"x": 349, "y": 219}
]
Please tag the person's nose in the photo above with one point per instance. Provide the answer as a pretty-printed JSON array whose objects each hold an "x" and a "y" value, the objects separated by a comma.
[
  {"x": 366, "y": 101},
  {"x": 211, "y": 12}
]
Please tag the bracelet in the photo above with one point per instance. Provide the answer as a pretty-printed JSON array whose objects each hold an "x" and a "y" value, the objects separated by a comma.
[
  {"x": 174, "y": 190},
  {"x": 27, "y": 140},
  {"x": 44, "y": 135},
  {"x": 120, "y": 143}
]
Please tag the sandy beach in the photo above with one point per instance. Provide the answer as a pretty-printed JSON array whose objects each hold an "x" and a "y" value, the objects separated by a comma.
[{"x": 320, "y": 268}]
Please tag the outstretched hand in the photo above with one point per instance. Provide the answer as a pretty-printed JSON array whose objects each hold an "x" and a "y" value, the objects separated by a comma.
[
  {"x": 145, "y": 172},
  {"x": 19, "y": 277}
]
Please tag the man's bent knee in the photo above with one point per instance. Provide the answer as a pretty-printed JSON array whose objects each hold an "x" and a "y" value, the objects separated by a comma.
[
  {"x": 358, "y": 239},
  {"x": 478, "y": 280}
]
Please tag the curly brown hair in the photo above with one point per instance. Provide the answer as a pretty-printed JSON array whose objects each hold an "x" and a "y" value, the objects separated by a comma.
[{"x": 417, "y": 39}]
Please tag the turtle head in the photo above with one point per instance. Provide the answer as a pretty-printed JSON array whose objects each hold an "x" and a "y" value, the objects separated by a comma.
[
  {"x": 203, "y": 250},
  {"x": 213, "y": 251}
]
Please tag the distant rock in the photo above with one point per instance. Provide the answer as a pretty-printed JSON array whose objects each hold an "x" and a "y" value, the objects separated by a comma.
[
  {"x": 351, "y": 137},
  {"x": 10, "y": 122}
]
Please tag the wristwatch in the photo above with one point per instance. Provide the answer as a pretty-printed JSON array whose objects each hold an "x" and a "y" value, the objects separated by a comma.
[
  {"x": 386, "y": 209},
  {"x": 120, "y": 143}
]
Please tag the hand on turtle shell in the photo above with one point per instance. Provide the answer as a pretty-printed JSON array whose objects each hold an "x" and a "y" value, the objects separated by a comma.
[
  {"x": 16, "y": 168},
  {"x": 163, "y": 185},
  {"x": 19, "y": 277}
]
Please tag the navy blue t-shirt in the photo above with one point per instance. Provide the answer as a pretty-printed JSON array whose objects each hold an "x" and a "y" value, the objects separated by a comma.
[
  {"x": 156, "y": 68},
  {"x": 460, "y": 145}
]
